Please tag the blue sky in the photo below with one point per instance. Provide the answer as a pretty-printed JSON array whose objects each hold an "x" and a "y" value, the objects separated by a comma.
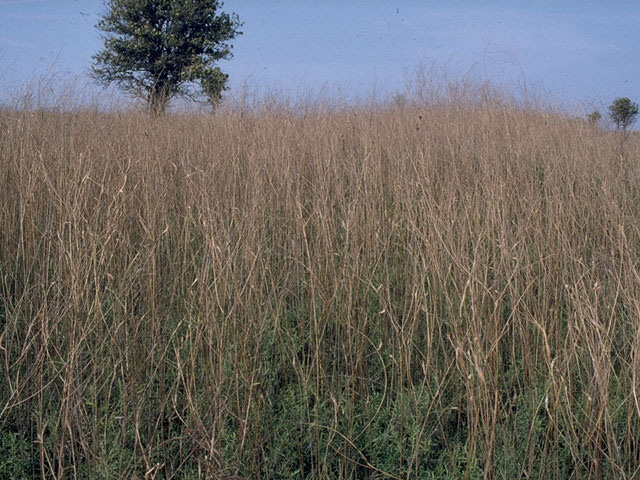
[{"x": 578, "y": 52}]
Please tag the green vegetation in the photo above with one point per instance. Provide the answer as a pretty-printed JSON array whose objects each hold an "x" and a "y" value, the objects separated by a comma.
[
  {"x": 594, "y": 117},
  {"x": 419, "y": 291},
  {"x": 213, "y": 84},
  {"x": 623, "y": 112},
  {"x": 157, "y": 49}
]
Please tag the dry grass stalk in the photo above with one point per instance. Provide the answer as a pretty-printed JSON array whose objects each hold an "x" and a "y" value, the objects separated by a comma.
[{"x": 178, "y": 293}]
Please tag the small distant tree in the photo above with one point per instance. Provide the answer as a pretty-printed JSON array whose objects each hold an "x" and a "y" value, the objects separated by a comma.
[
  {"x": 594, "y": 117},
  {"x": 623, "y": 112},
  {"x": 161, "y": 49},
  {"x": 214, "y": 82}
]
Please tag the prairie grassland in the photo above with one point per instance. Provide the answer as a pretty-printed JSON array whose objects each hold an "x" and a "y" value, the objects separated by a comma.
[{"x": 450, "y": 291}]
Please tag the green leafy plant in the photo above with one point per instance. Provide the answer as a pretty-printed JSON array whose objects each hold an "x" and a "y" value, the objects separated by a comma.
[
  {"x": 214, "y": 82},
  {"x": 623, "y": 112},
  {"x": 594, "y": 117},
  {"x": 18, "y": 458},
  {"x": 159, "y": 49}
]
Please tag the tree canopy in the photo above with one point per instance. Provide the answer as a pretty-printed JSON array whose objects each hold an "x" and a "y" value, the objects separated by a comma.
[
  {"x": 623, "y": 112},
  {"x": 161, "y": 49}
]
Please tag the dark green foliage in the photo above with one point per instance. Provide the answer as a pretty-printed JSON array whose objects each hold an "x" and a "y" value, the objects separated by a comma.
[
  {"x": 18, "y": 456},
  {"x": 158, "y": 49},
  {"x": 623, "y": 112},
  {"x": 214, "y": 82}
]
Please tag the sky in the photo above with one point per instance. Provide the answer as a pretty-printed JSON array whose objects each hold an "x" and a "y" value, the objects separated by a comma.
[{"x": 577, "y": 52}]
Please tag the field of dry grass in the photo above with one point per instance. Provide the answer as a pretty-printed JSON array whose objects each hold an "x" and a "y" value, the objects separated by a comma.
[{"x": 400, "y": 291}]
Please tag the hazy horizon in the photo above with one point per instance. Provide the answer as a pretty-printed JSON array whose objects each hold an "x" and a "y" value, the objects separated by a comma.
[{"x": 577, "y": 53}]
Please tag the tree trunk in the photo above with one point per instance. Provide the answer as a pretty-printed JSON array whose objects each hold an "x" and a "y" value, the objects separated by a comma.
[{"x": 157, "y": 100}]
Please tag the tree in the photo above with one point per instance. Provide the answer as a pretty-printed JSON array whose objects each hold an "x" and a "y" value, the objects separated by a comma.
[
  {"x": 214, "y": 82},
  {"x": 161, "y": 49},
  {"x": 594, "y": 117},
  {"x": 623, "y": 112}
]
